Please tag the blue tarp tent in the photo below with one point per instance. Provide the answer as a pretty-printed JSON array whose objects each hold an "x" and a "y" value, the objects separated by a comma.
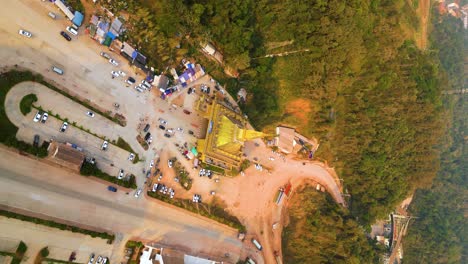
[
  {"x": 78, "y": 19},
  {"x": 111, "y": 35}
]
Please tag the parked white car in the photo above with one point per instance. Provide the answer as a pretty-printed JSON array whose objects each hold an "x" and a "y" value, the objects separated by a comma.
[
  {"x": 104, "y": 146},
  {"x": 115, "y": 74},
  {"x": 113, "y": 62},
  {"x": 44, "y": 117},
  {"x": 162, "y": 121},
  {"x": 64, "y": 127},
  {"x": 138, "y": 192},
  {"x": 90, "y": 114},
  {"x": 169, "y": 163},
  {"x": 131, "y": 157},
  {"x": 73, "y": 30},
  {"x": 121, "y": 174},
  {"x": 37, "y": 117},
  {"x": 25, "y": 33}
]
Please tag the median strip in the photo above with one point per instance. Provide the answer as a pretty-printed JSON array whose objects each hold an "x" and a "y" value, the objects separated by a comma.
[
  {"x": 213, "y": 211},
  {"x": 110, "y": 238}
]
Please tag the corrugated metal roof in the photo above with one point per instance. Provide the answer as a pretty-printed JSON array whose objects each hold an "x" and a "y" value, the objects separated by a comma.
[{"x": 64, "y": 9}]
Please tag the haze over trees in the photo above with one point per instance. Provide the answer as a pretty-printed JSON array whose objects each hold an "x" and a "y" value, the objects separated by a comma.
[{"x": 438, "y": 234}]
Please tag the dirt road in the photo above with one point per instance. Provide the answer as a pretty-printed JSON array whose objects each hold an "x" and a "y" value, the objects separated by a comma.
[{"x": 424, "y": 14}]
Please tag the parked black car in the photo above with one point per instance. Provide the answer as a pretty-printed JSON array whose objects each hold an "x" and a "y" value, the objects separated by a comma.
[
  {"x": 147, "y": 136},
  {"x": 65, "y": 35},
  {"x": 147, "y": 127},
  {"x": 162, "y": 127},
  {"x": 112, "y": 188},
  {"x": 36, "y": 141}
]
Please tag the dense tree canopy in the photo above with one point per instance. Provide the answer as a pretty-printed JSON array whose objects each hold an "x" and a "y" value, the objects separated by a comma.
[
  {"x": 320, "y": 231},
  {"x": 438, "y": 234}
]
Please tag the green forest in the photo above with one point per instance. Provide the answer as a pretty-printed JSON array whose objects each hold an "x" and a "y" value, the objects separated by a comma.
[
  {"x": 356, "y": 81},
  {"x": 439, "y": 232},
  {"x": 320, "y": 231}
]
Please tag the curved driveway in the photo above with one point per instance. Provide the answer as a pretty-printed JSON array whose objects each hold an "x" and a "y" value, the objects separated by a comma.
[{"x": 50, "y": 100}]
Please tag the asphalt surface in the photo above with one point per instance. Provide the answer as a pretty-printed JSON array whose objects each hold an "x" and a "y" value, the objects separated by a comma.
[{"x": 41, "y": 188}]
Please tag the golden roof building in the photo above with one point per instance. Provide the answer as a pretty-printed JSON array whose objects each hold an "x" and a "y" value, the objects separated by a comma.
[{"x": 225, "y": 135}]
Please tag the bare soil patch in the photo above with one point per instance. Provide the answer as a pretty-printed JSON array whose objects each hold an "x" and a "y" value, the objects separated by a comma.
[{"x": 299, "y": 108}]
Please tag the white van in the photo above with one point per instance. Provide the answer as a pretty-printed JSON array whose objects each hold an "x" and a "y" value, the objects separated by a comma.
[
  {"x": 73, "y": 30},
  {"x": 250, "y": 261},
  {"x": 57, "y": 70},
  {"x": 257, "y": 245}
]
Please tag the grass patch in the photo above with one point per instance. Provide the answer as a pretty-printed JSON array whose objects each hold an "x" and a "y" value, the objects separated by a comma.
[
  {"x": 110, "y": 238},
  {"x": 121, "y": 143},
  {"x": 184, "y": 177},
  {"x": 212, "y": 168},
  {"x": 136, "y": 247},
  {"x": 26, "y": 103},
  {"x": 51, "y": 261},
  {"x": 213, "y": 211},
  {"x": 244, "y": 165},
  {"x": 3, "y": 253},
  {"x": 88, "y": 169}
]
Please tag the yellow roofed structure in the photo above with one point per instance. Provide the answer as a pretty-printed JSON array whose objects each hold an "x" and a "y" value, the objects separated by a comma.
[{"x": 225, "y": 137}]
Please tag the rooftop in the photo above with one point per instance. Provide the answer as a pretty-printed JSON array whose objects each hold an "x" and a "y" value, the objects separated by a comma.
[{"x": 66, "y": 155}]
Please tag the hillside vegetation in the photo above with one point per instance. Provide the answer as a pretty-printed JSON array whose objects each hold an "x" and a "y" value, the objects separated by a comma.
[
  {"x": 438, "y": 234},
  {"x": 357, "y": 81},
  {"x": 320, "y": 231}
]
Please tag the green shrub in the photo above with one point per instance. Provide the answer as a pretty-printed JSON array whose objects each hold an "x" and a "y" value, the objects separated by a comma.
[
  {"x": 3, "y": 253},
  {"x": 15, "y": 260},
  {"x": 11, "y": 141},
  {"x": 110, "y": 238},
  {"x": 44, "y": 252},
  {"x": 27, "y": 102},
  {"x": 184, "y": 177},
  {"x": 121, "y": 143},
  {"x": 21, "y": 249},
  {"x": 212, "y": 168},
  {"x": 213, "y": 211},
  {"x": 88, "y": 169}
]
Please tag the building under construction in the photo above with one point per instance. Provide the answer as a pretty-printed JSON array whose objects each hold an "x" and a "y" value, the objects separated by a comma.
[{"x": 225, "y": 135}]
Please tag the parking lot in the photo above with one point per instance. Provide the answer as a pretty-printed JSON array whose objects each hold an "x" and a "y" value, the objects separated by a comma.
[
  {"x": 60, "y": 243},
  {"x": 74, "y": 112}
]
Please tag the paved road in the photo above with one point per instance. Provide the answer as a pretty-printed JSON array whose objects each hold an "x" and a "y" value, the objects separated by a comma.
[{"x": 38, "y": 187}]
